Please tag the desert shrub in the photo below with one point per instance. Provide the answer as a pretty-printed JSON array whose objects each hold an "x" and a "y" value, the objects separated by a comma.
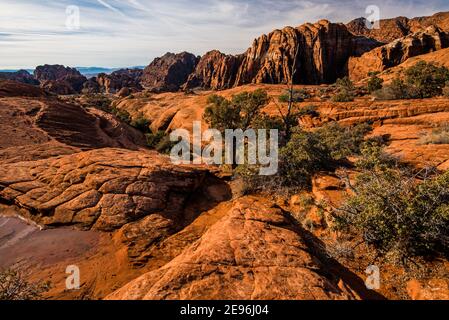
[
  {"x": 13, "y": 286},
  {"x": 298, "y": 95},
  {"x": 398, "y": 89},
  {"x": 123, "y": 115},
  {"x": 237, "y": 113},
  {"x": 439, "y": 135},
  {"x": 141, "y": 123},
  {"x": 310, "y": 110},
  {"x": 98, "y": 101},
  {"x": 305, "y": 154},
  {"x": 160, "y": 141},
  {"x": 342, "y": 141},
  {"x": 446, "y": 90},
  {"x": 345, "y": 90},
  {"x": 427, "y": 78},
  {"x": 374, "y": 83},
  {"x": 393, "y": 212}
]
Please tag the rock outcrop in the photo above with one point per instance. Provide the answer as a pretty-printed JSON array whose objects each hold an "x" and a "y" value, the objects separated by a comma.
[
  {"x": 392, "y": 29},
  {"x": 324, "y": 49},
  {"x": 254, "y": 252},
  {"x": 215, "y": 70},
  {"x": 169, "y": 72},
  {"x": 117, "y": 80},
  {"x": 10, "y": 88},
  {"x": 59, "y": 79},
  {"x": 20, "y": 76},
  {"x": 35, "y": 126},
  {"x": 398, "y": 51}
]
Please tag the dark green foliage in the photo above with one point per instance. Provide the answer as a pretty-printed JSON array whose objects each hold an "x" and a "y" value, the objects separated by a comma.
[
  {"x": 345, "y": 90},
  {"x": 237, "y": 113},
  {"x": 396, "y": 213},
  {"x": 311, "y": 111},
  {"x": 427, "y": 78},
  {"x": 398, "y": 89},
  {"x": 297, "y": 96},
  {"x": 342, "y": 141},
  {"x": 423, "y": 80},
  {"x": 305, "y": 154},
  {"x": 374, "y": 83},
  {"x": 160, "y": 141},
  {"x": 141, "y": 123}
]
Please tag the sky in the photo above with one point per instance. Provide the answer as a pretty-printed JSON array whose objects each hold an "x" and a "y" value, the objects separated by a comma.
[{"x": 123, "y": 33}]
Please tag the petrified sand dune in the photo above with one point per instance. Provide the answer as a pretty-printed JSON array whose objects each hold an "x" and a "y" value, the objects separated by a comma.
[{"x": 254, "y": 252}]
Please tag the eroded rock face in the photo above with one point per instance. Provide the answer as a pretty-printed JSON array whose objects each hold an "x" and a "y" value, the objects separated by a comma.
[
  {"x": 397, "y": 52},
  {"x": 59, "y": 79},
  {"x": 169, "y": 72},
  {"x": 324, "y": 49},
  {"x": 10, "y": 88},
  {"x": 102, "y": 189},
  {"x": 19, "y": 76},
  {"x": 392, "y": 29},
  {"x": 114, "y": 82},
  {"x": 40, "y": 127},
  {"x": 215, "y": 70},
  {"x": 254, "y": 252}
]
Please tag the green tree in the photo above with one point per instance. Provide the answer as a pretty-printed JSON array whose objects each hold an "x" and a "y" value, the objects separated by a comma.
[{"x": 427, "y": 78}]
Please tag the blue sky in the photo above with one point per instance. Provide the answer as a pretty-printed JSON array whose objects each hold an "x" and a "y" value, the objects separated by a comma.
[{"x": 122, "y": 33}]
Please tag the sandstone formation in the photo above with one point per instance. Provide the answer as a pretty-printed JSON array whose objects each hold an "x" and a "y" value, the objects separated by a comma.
[
  {"x": 9, "y": 88},
  {"x": 40, "y": 127},
  {"x": 59, "y": 79},
  {"x": 398, "y": 51},
  {"x": 392, "y": 29},
  {"x": 117, "y": 80},
  {"x": 324, "y": 49},
  {"x": 169, "y": 72},
  {"x": 254, "y": 252},
  {"x": 20, "y": 76},
  {"x": 215, "y": 70}
]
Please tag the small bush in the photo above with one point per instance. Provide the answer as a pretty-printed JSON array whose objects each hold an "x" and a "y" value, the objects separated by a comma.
[
  {"x": 427, "y": 78},
  {"x": 446, "y": 90},
  {"x": 342, "y": 141},
  {"x": 439, "y": 135},
  {"x": 345, "y": 90},
  {"x": 311, "y": 111},
  {"x": 374, "y": 83},
  {"x": 141, "y": 123},
  {"x": 299, "y": 95},
  {"x": 160, "y": 141},
  {"x": 305, "y": 154},
  {"x": 397, "y": 215},
  {"x": 398, "y": 89},
  {"x": 13, "y": 286},
  {"x": 237, "y": 113}
]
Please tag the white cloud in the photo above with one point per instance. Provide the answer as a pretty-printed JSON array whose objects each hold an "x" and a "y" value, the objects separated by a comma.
[{"x": 133, "y": 32}]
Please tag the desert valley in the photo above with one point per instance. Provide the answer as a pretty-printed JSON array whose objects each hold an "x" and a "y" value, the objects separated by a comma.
[{"x": 363, "y": 114}]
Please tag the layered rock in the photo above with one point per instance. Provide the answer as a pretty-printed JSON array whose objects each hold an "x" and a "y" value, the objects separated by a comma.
[
  {"x": 215, "y": 70},
  {"x": 59, "y": 79},
  {"x": 35, "y": 126},
  {"x": 323, "y": 52},
  {"x": 117, "y": 80},
  {"x": 10, "y": 88},
  {"x": 169, "y": 72},
  {"x": 254, "y": 252},
  {"x": 20, "y": 76},
  {"x": 395, "y": 28},
  {"x": 398, "y": 51}
]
